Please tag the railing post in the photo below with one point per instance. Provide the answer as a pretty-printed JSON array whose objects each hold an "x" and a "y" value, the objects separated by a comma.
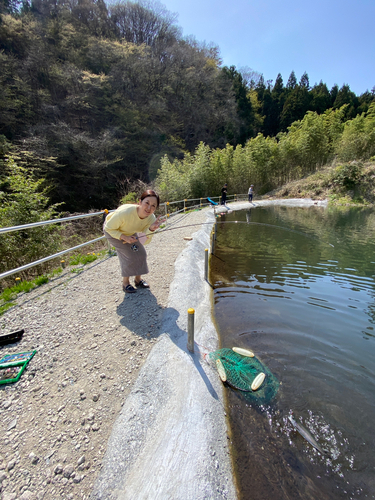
[
  {"x": 166, "y": 212},
  {"x": 206, "y": 264},
  {"x": 212, "y": 242},
  {"x": 190, "y": 342},
  {"x": 185, "y": 205}
]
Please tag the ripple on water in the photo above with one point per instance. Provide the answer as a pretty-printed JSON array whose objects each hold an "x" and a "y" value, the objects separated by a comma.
[{"x": 307, "y": 312}]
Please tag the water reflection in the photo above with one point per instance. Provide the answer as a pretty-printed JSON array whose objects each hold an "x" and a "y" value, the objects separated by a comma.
[{"x": 306, "y": 309}]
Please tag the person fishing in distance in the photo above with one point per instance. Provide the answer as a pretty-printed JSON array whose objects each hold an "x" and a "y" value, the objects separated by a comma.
[
  {"x": 251, "y": 192},
  {"x": 224, "y": 194},
  {"x": 127, "y": 228}
]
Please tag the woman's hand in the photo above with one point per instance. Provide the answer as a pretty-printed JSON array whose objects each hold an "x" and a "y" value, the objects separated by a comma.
[
  {"x": 128, "y": 239},
  {"x": 155, "y": 225}
]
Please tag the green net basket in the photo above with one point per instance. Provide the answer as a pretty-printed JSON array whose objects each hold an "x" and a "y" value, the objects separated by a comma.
[{"x": 241, "y": 372}]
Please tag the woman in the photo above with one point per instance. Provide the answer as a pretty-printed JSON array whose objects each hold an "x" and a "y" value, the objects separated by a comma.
[{"x": 121, "y": 228}]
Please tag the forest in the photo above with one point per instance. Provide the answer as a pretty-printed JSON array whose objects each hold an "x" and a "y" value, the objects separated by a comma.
[{"x": 97, "y": 96}]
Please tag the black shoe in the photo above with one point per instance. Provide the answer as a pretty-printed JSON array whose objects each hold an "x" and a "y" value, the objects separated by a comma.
[
  {"x": 142, "y": 284},
  {"x": 129, "y": 289}
]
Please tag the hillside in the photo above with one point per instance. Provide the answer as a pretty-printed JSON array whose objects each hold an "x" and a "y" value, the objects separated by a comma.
[
  {"x": 340, "y": 183},
  {"x": 96, "y": 94}
]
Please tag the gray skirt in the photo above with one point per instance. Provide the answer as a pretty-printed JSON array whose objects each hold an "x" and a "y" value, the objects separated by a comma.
[{"x": 132, "y": 257}]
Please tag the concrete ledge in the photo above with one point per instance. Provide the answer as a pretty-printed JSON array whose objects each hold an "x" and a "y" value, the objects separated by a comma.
[
  {"x": 170, "y": 440},
  {"x": 288, "y": 202}
]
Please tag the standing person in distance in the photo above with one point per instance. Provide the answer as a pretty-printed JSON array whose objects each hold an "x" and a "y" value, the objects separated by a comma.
[
  {"x": 224, "y": 194},
  {"x": 251, "y": 192},
  {"x": 122, "y": 229}
]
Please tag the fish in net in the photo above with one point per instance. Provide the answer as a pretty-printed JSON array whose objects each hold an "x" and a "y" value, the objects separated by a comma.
[{"x": 243, "y": 372}]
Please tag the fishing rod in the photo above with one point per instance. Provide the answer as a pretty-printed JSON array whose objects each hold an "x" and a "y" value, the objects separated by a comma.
[{"x": 244, "y": 222}]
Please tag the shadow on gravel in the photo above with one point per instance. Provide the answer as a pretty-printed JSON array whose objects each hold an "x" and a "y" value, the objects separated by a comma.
[{"x": 141, "y": 313}]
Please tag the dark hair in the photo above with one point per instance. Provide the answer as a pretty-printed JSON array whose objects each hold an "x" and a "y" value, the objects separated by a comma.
[{"x": 148, "y": 193}]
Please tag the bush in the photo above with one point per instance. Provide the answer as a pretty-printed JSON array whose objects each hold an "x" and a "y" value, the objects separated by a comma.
[
  {"x": 129, "y": 198},
  {"x": 135, "y": 190},
  {"x": 347, "y": 176}
]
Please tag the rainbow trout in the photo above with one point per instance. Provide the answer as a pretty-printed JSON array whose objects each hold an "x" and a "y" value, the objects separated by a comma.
[{"x": 305, "y": 434}]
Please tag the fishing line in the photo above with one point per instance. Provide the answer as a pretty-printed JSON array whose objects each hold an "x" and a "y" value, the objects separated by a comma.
[
  {"x": 174, "y": 222},
  {"x": 247, "y": 223},
  {"x": 295, "y": 426}
]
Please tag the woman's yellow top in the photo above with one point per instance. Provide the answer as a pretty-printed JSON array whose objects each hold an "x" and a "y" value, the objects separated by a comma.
[{"x": 125, "y": 220}]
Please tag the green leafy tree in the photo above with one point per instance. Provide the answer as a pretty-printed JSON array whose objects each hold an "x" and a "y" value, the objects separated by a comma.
[
  {"x": 334, "y": 126},
  {"x": 172, "y": 182},
  {"x": 292, "y": 81},
  {"x": 262, "y": 153},
  {"x": 267, "y": 112},
  {"x": 304, "y": 82},
  {"x": 358, "y": 138},
  {"x": 321, "y": 98},
  {"x": 23, "y": 200},
  {"x": 333, "y": 93},
  {"x": 296, "y": 105},
  {"x": 306, "y": 146},
  {"x": 365, "y": 100},
  {"x": 276, "y": 103},
  {"x": 257, "y": 111},
  {"x": 244, "y": 106},
  {"x": 346, "y": 96}
]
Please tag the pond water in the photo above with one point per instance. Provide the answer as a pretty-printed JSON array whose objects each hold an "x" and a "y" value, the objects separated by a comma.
[{"x": 297, "y": 287}]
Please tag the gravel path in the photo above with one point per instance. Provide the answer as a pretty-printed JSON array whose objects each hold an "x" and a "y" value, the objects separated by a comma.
[{"x": 91, "y": 342}]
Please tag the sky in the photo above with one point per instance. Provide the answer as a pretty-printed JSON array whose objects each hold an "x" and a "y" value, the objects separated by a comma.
[{"x": 332, "y": 40}]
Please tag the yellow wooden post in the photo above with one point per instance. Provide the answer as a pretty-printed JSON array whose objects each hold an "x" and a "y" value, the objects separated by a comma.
[{"x": 190, "y": 342}]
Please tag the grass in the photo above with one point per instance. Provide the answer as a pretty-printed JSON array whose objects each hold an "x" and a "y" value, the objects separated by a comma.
[
  {"x": 8, "y": 295},
  {"x": 5, "y": 307},
  {"x": 83, "y": 259}
]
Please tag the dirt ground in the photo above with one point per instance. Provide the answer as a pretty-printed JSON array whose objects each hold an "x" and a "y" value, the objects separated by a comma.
[{"x": 91, "y": 340}]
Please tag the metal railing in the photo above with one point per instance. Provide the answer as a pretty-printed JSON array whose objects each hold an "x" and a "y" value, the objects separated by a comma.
[
  {"x": 201, "y": 202},
  {"x": 186, "y": 205}
]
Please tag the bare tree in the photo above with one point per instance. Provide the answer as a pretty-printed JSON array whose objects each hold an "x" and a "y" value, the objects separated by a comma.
[
  {"x": 145, "y": 22},
  {"x": 250, "y": 77}
]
